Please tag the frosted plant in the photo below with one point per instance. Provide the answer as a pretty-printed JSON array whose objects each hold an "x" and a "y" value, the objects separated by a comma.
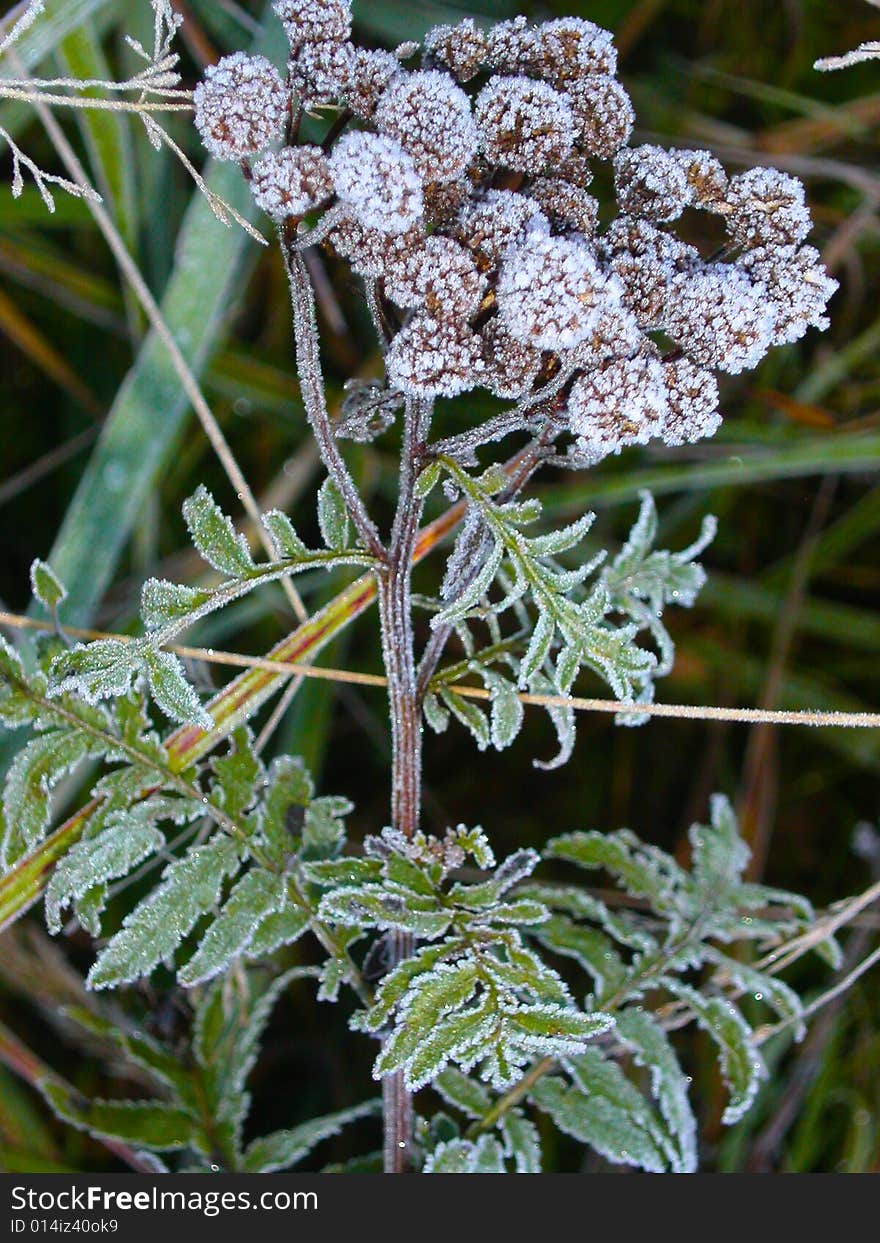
[
  {"x": 456, "y": 181},
  {"x": 866, "y": 51}
]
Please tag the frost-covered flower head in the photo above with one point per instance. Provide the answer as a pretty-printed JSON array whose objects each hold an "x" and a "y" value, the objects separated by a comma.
[
  {"x": 240, "y": 107},
  {"x": 460, "y": 187},
  {"x": 377, "y": 179}
]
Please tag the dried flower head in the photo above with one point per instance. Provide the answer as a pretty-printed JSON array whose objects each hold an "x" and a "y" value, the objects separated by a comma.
[
  {"x": 720, "y": 318},
  {"x": 797, "y": 288},
  {"x": 433, "y": 358},
  {"x": 621, "y": 402},
  {"x": 525, "y": 125},
  {"x": 371, "y": 71},
  {"x": 431, "y": 117},
  {"x": 509, "y": 46},
  {"x": 240, "y": 106},
  {"x": 500, "y": 219},
  {"x": 706, "y": 178},
  {"x": 376, "y": 177},
  {"x": 645, "y": 260},
  {"x": 603, "y": 114},
  {"x": 314, "y": 21},
  {"x": 291, "y": 182},
  {"x": 767, "y": 208},
  {"x": 692, "y": 396},
  {"x": 650, "y": 182},
  {"x": 571, "y": 48},
  {"x": 321, "y": 73},
  {"x": 510, "y": 366},
  {"x": 444, "y": 201},
  {"x": 567, "y": 206},
  {"x": 439, "y": 276},
  {"x": 551, "y": 291},
  {"x": 462, "y": 49},
  {"x": 370, "y": 251}
]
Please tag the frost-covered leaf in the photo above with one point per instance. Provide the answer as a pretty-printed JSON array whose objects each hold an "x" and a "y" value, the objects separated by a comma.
[
  {"x": 110, "y": 855},
  {"x": 742, "y": 1067},
  {"x": 214, "y": 535},
  {"x": 94, "y": 671},
  {"x": 281, "y": 927},
  {"x": 16, "y": 706},
  {"x": 507, "y": 713},
  {"x": 463, "y": 1156},
  {"x": 46, "y": 586},
  {"x": 467, "y": 712},
  {"x": 643, "y": 872},
  {"x": 450, "y": 1038},
  {"x": 164, "y": 603},
  {"x": 606, "y": 1119},
  {"x": 282, "y": 810},
  {"x": 774, "y": 992},
  {"x": 332, "y": 516},
  {"x": 153, "y": 930},
  {"x": 33, "y": 774},
  {"x": 521, "y": 1142},
  {"x": 144, "y": 1124},
  {"x": 289, "y": 545},
  {"x": 463, "y": 1092},
  {"x": 589, "y": 947},
  {"x": 435, "y": 714},
  {"x": 647, "y": 1040},
  {"x": 285, "y": 1148},
  {"x": 554, "y": 1030},
  {"x": 257, "y": 895},
  {"x": 375, "y": 906},
  {"x": 170, "y": 689},
  {"x": 237, "y": 775}
]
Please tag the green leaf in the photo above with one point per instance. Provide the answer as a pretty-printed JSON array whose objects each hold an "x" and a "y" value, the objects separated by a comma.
[
  {"x": 154, "y": 929},
  {"x": 463, "y": 1092},
  {"x": 742, "y": 1067},
  {"x": 589, "y": 947},
  {"x": 640, "y": 1032},
  {"x": 35, "y": 771},
  {"x": 145, "y": 1124},
  {"x": 332, "y": 516},
  {"x": 214, "y": 535},
  {"x": 605, "y": 1116},
  {"x": 521, "y": 1141},
  {"x": 165, "y": 604},
  {"x": 46, "y": 586},
  {"x": 281, "y": 927},
  {"x": 94, "y": 671},
  {"x": 284, "y": 535},
  {"x": 285, "y": 1148},
  {"x": 257, "y": 895},
  {"x": 113, "y": 853},
  {"x": 171, "y": 691},
  {"x": 467, "y": 712}
]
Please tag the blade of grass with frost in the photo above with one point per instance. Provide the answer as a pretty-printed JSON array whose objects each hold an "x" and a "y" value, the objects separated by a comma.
[
  {"x": 819, "y": 455},
  {"x": 151, "y": 409}
]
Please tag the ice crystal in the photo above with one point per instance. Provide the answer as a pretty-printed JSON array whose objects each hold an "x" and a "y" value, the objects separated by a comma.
[
  {"x": 240, "y": 106},
  {"x": 798, "y": 288},
  {"x": 291, "y": 182},
  {"x": 509, "y": 45},
  {"x": 431, "y": 117},
  {"x": 433, "y": 358},
  {"x": 603, "y": 113},
  {"x": 767, "y": 208},
  {"x": 314, "y": 21},
  {"x": 376, "y": 177},
  {"x": 719, "y": 318},
  {"x": 622, "y": 402},
  {"x": 439, "y": 276},
  {"x": 525, "y": 125},
  {"x": 692, "y": 395},
  {"x": 650, "y": 182},
  {"x": 551, "y": 291},
  {"x": 462, "y": 49}
]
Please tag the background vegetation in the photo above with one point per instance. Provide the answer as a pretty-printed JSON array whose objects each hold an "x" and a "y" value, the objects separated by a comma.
[{"x": 100, "y": 447}]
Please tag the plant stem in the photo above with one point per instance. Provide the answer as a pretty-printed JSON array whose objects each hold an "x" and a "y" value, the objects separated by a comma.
[{"x": 395, "y": 613}]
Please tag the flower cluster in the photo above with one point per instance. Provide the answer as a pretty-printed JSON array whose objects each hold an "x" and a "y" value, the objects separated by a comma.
[{"x": 459, "y": 192}]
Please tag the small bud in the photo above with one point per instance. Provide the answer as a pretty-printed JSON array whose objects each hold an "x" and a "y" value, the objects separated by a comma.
[{"x": 240, "y": 106}]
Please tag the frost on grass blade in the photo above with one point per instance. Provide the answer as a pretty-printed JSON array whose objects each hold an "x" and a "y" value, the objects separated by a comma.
[{"x": 154, "y": 929}]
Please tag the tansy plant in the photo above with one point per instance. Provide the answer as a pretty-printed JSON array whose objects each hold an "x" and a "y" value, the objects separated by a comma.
[{"x": 454, "y": 183}]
